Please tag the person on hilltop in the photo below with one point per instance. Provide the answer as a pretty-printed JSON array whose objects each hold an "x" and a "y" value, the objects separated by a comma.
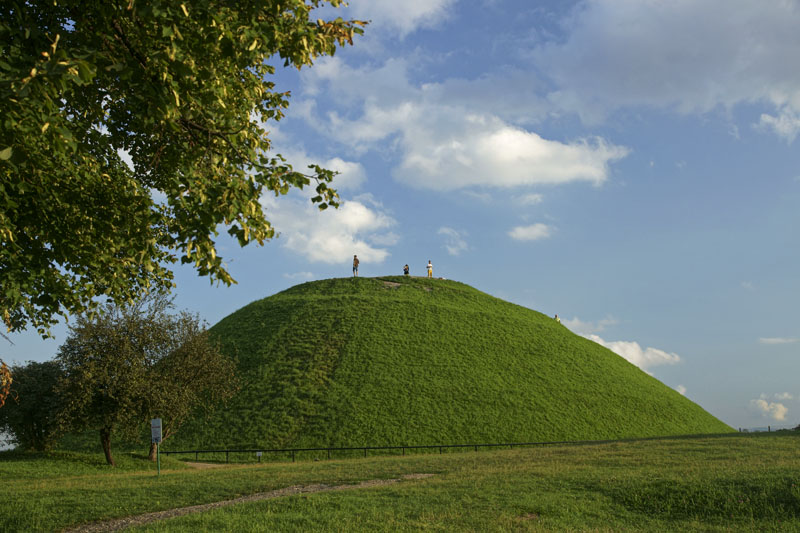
[
  {"x": 430, "y": 269},
  {"x": 355, "y": 266},
  {"x": 405, "y": 270},
  {"x": 557, "y": 319}
]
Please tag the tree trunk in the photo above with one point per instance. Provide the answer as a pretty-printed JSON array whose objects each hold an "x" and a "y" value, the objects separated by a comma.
[
  {"x": 105, "y": 441},
  {"x": 152, "y": 455}
]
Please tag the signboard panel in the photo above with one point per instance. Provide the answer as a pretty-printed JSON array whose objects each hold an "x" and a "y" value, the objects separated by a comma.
[{"x": 155, "y": 431}]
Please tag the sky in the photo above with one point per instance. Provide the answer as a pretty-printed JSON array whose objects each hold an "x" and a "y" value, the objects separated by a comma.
[{"x": 631, "y": 165}]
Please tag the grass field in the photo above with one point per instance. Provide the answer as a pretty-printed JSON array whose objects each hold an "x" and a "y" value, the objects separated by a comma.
[
  {"x": 725, "y": 483},
  {"x": 397, "y": 361}
]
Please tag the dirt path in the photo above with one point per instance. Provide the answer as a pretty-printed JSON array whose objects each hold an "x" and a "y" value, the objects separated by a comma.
[{"x": 137, "y": 520}]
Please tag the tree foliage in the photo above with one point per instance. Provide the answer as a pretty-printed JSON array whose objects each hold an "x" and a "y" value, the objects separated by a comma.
[
  {"x": 183, "y": 89},
  {"x": 131, "y": 363},
  {"x": 31, "y": 414},
  {"x": 5, "y": 382}
]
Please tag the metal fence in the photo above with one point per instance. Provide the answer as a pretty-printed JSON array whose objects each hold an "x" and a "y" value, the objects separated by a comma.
[
  {"x": 293, "y": 452},
  {"x": 768, "y": 429}
]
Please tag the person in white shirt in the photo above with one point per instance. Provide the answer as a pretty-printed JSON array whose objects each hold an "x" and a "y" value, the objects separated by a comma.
[{"x": 430, "y": 269}]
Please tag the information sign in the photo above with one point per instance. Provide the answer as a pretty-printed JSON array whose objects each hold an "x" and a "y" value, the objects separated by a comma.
[{"x": 155, "y": 430}]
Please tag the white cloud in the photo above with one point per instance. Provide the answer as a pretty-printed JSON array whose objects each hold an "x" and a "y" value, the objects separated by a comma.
[
  {"x": 360, "y": 226},
  {"x": 448, "y": 150},
  {"x": 681, "y": 390},
  {"x": 633, "y": 352},
  {"x": 786, "y": 124},
  {"x": 748, "y": 285},
  {"x": 534, "y": 232},
  {"x": 401, "y": 17},
  {"x": 351, "y": 175},
  {"x": 580, "y": 327},
  {"x": 446, "y": 143},
  {"x": 778, "y": 340},
  {"x": 776, "y": 411},
  {"x": 685, "y": 55},
  {"x": 530, "y": 199},
  {"x": 454, "y": 240},
  {"x": 784, "y": 396}
]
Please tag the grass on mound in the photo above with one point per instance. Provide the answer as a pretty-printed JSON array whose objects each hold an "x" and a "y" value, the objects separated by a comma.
[
  {"x": 398, "y": 360},
  {"x": 730, "y": 483}
]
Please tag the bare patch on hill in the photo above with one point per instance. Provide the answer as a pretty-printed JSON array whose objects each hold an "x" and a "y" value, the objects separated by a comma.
[
  {"x": 138, "y": 520},
  {"x": 391, "y": 284}
]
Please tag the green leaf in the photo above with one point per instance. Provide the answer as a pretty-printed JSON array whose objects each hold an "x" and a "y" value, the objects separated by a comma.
[{"x": 5, "y": 153}]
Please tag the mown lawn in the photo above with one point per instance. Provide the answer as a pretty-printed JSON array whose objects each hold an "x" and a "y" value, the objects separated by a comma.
[{"x": 731, "y": 483}]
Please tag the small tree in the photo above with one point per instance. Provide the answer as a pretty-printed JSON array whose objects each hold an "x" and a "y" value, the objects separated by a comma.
[
  {"x": 31, "y": 414},
  {"x": 117, "y": 368},
  {"x": 191, "y": 380}
]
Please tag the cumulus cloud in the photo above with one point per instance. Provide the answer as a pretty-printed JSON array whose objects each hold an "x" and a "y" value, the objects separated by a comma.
[
  {"x": 534, "y": 232},
  {"x": 351, "y": 175},
  {"x": 784, "y": 396},
  {"x": 360, "y": 226},
  {"x": 633, "y": 352},
  {"x": 446, "y": 143},
  {"x": 484, "y": 151},
  {"x": 530, "y": 199},
  {"x": 681, "y": 390},
  {"x": 401, "y": 17},
  {"x": 580, "y": 327},
  {"x": 786, "y": 124},
  {"x": 454, "y": 240},
  {"x": 778, "y": 340},
  {"x": 775, "y": 410},
  {"x": 690, "y": 56}
]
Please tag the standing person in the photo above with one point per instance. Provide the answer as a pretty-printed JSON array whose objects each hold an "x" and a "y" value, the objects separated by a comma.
[
  {"x": 405, "y": 270},
  {"x": 430, "y": 269},
  {"x": 355, "y": 266}
]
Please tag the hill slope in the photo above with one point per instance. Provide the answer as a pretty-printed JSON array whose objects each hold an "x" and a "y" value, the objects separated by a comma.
[{"x": 389, "y": 361}]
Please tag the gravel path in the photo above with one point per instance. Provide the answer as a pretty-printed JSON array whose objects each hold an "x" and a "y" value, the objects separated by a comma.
[{"x": 122, "y": 523}]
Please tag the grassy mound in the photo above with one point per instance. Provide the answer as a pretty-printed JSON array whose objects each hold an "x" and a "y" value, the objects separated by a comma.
[{"x": 397, "y": 360}]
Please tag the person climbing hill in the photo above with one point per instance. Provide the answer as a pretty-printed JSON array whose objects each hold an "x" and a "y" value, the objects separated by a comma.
[
  {"x": 430, "y": 269},
  {"x": 405, "y": 270},
  {"x": 355, "y": 265}
]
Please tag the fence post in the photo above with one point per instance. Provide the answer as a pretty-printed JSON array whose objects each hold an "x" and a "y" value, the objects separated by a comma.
[
  {"x": 292, "y": 455},
  {"x": 365, "y": 452},
  {"x": 404, "y": 450},
  {"x": 440, "y": 450},
  {"x": 195, "y": 455},
  {"x": 226, "y": 456},
  {"x": 329, "y": 454}
]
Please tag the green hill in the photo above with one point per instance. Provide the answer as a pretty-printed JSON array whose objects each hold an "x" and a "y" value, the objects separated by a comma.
[{"x": 397, "y": 361}]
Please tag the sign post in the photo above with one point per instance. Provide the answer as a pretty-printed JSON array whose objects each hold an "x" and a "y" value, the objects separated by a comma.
[{"x": 155, "y": 434}]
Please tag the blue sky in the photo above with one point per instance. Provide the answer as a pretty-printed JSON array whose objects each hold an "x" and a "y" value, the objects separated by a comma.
[{"x": 631, "y": 165}]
